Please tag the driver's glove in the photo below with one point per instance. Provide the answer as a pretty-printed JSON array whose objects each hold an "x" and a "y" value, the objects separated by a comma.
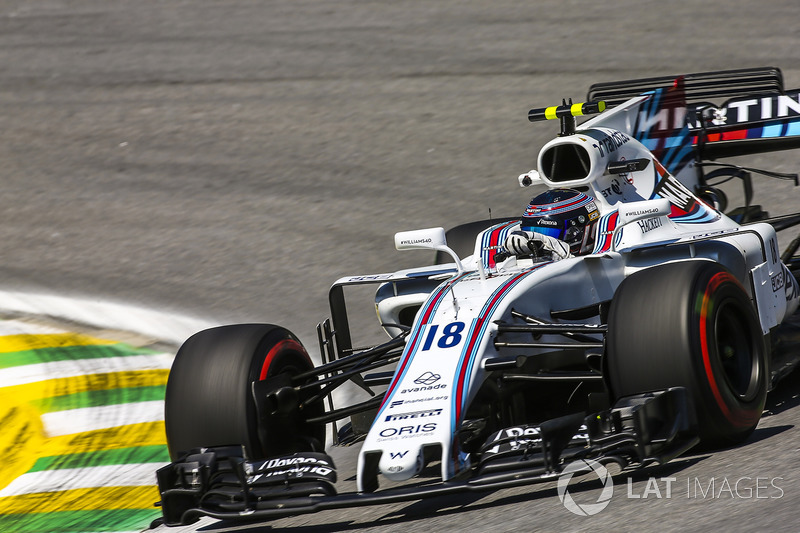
[{"x": 530, "y": 243}]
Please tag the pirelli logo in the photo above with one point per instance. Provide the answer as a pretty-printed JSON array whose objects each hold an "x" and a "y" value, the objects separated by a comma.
[{"x": 415, "y": 414}]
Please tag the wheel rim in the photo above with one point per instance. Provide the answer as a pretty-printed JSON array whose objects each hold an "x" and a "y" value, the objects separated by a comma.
[
  {"x": 289, "y": 357},
  {"x": 737, "y": 351}
]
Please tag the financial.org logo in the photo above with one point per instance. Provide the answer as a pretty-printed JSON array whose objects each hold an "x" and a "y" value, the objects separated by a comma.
[
  {"x": 580, "y": 467},
  {"x": 428, "y": 378}
]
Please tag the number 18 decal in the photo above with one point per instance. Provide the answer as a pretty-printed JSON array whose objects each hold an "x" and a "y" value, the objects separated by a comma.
[{"x": 451, "y": 335}]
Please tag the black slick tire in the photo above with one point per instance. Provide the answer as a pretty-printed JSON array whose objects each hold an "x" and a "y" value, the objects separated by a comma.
[
  {"x": 210, "y": 400},
  {"x": 691, "y": 324}
]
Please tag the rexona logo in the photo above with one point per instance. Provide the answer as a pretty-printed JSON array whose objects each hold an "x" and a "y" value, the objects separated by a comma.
[
  {"x": 581, "y": 467},
  {"x": 515, "y": 438},
  {"x": 415, "y": 414},
  {"x": 291, "y": 461},
  {"x": 292, "y": 467}
]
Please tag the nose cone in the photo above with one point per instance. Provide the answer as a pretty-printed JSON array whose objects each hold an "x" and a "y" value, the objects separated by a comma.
[{"x": 400, "y": 465}]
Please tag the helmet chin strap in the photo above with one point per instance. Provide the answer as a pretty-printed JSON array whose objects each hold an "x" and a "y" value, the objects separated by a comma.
[{"x": 587, "y": 243}]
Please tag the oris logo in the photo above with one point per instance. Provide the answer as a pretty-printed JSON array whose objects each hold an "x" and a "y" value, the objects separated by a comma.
[{"x": 408, "y": 430}]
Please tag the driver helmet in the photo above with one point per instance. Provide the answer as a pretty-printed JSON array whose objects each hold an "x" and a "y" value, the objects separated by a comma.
[{"x": 565, "y": 214}]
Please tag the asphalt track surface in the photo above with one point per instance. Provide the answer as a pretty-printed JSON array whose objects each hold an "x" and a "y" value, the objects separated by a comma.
[{"x": 229, "y": 160}]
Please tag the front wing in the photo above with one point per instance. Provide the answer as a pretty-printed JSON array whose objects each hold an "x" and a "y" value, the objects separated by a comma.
[{"x": 638, "y": 431}]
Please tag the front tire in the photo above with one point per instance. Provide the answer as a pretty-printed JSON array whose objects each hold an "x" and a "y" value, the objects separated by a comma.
[
  {"x": 691, "y": 324},
  {"x": 210, "y": 400}
]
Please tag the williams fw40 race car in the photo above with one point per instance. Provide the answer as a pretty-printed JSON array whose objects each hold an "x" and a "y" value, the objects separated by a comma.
[{"x": 663, "y": 328}]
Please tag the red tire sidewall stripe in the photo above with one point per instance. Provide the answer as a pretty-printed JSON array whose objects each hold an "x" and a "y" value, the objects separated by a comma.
[
  {"x": 744, "y": 417},
  {"x": 285, "y": 344}
]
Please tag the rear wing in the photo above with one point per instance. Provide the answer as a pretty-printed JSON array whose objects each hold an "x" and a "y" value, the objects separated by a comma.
[
  {"x": 699, "y": 87},
  {"x": 748, "y": 125},
  {"x": 755, "y": 115}
]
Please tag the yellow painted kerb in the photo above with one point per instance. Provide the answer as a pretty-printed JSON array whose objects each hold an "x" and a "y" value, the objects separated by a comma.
[
  {"x": 81, "y": 500},
  {"x": 19, "y": 343},
  {"x": 21, "y": 437}
]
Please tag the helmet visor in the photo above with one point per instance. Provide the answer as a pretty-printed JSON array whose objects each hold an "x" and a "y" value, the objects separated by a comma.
[{"x": 558, "y": 233}]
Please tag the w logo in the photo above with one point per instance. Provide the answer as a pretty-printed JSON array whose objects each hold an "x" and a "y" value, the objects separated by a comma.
[{"x": 398, "y": 455}]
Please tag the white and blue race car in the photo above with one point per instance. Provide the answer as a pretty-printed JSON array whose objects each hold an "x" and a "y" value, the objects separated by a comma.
[{"x": 501, "y": 367}]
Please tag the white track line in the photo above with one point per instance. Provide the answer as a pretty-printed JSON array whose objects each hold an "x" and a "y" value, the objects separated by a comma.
[
  {"x": 158, "y": 325},
  {"x": 136, "y": 475},
  {"x": 22, "y": 375},
  {"x": 58, "y": 423},
  {"x": 20, "y": 327}
]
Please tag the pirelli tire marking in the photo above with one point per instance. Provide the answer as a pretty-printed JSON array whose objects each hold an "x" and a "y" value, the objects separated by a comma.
[{"x": 82, "y": 431}]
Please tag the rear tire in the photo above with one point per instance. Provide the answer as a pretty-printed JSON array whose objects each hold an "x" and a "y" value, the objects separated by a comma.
[
  {"x": 209, "y": 398},
  {"x": 691, "y": 324}
]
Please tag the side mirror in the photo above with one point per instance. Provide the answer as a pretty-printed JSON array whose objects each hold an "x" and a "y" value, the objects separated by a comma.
[
  {"x": 430, "y": 239},
  {"x": 633, "y": 211},
  {"x": 426, "y": 239}
]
